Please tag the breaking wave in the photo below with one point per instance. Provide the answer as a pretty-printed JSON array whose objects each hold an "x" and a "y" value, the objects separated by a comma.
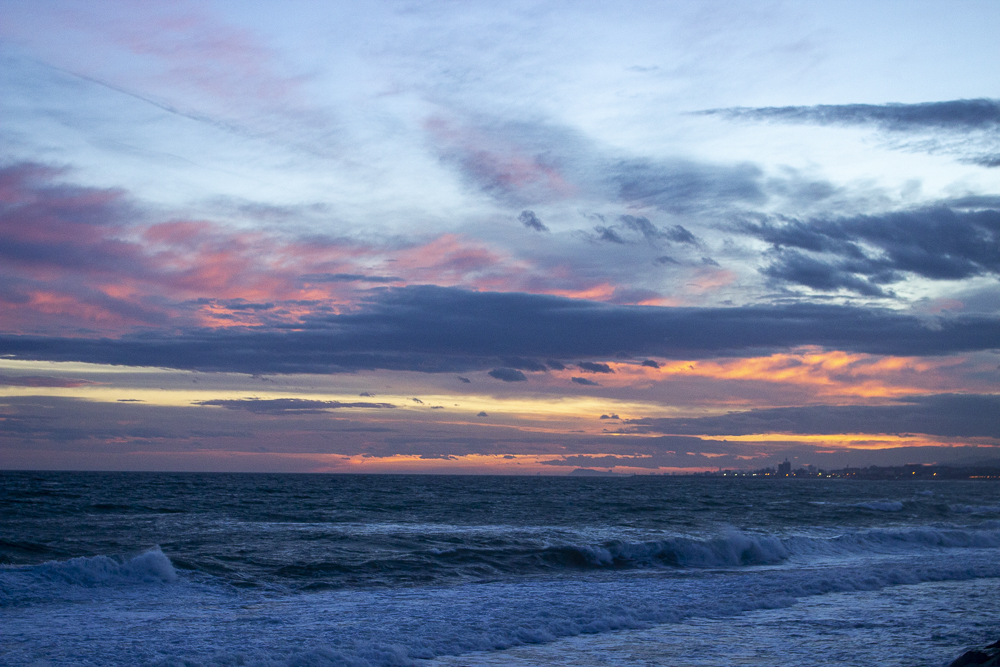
[
  {"x": 732, "y": 549},
  {"x": 51, "y": 578}
]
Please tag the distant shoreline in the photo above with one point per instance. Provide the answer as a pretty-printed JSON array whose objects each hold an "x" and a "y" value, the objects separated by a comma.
[
  {"x": 989, "y": 471},
  {"x": 872, "y": 473}
]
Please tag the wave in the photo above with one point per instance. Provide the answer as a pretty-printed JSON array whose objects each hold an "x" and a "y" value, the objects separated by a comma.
[
  {"x": 732, "y": 549},
  {"x": 737, "y": 549},
  {"x": 51, "y": 578},
  {"x": 880, "y": 505},
  {"x": 975, "y": 509},
  {"x": 149, "y": 567},
  {"x": 920, "y": 505},
  {"x": 451, "y": 619},
  {"x": 387, "y": 628},
  {"x": 474, "y": 560}
]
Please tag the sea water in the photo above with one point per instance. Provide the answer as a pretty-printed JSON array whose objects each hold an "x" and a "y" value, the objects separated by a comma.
[{"x": 224, "y": 569}]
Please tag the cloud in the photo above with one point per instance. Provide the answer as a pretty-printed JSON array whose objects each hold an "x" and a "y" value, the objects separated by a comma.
[
  {"x": 482, "y": 413},
  {"x": 862, "y": 253},
  {"x": 523, "y": 364},
  {"x": 189, "y": 63},
  {"x": 648, "y": 461},
  {"x": 507, "y": 375},
  {"x": 609, "y": 234},
  {"x": 78, "y": 258},
  {"x": 584, "y": 381},
  {"x": 592, "y": 367},
  {"x": 611, "y": 416},
  {"x": 966, "y": 128},
  {"x": 529, "y": 163},
  {"x": 955, "y": 415},
  {"x": 630, "y": 225},
  {"x": 436, "y": 329},
  {"x": 80, "y": 255},
  {"x": 681, "y": 186},
  {"x": 515, "y": 163},
  {"x": 989, "y": 161},
  {"x": 957, "y": 115},
  {"x": 347, "y": 278},
  {"x": 680, "y": 235},
  {"x": 287, "y": 406},
  {"x": 650, "y": 363},
  {"x": 81, "y": 430},
  {"x": 51, "y": 233},
  {"x": 464, "y": 380},
  {"x": 973, "y": 202},
  {"x": 531, "y": 221},
  {"x": 41, "y": 381},
  {"x": 237, "y": 304},
  {"x": 643, "y": 226},
  {"x": 794, "y": 267}
]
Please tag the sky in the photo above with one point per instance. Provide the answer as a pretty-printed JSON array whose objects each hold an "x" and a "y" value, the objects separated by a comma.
[{"x": 443, "y": 237}]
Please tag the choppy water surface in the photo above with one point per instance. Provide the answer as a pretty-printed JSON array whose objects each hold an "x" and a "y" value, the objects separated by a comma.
[{"x": 115, "y": 568}]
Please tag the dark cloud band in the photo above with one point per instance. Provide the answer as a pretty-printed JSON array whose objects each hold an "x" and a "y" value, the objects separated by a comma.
[
  {"x": 954, "y": 415},
  {"x": 435, "y": 329},
  {"x": 864, "y": 253}
]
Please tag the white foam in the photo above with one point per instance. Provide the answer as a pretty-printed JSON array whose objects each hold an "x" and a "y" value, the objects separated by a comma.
[{"x": 208, "y": 625}]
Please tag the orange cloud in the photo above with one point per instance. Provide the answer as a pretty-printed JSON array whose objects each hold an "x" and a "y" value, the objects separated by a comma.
[
  {"x": 825, "y": 374},
  {"x": 709, "y": 279}
]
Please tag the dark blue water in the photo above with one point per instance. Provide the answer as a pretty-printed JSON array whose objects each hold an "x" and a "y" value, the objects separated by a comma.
[{"x": 343, "y": 564}]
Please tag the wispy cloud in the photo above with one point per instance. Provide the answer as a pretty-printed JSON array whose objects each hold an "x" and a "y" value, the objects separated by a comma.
[
  {"x": 957, "y": 115},
  {"x": 531, "y": 163},
  {"x": 978, "y": 120}
]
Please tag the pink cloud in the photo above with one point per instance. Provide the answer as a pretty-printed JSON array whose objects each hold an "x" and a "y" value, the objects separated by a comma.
[
  {"x": 85, "y": 258},
  {"x": 166, "y": 46},
  {"x": 499, "y": 167}
]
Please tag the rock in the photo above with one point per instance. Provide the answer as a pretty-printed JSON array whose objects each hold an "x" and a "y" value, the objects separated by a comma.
[
  {"x": 970, "y": 658},
  {"x": 988, "y": 656}
]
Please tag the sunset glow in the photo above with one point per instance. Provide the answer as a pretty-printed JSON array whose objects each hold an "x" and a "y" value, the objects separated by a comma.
[{"x": 427, "y": 239}]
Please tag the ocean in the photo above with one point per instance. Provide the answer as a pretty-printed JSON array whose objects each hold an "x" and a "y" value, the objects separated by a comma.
[{"x": 448, "y": 571}]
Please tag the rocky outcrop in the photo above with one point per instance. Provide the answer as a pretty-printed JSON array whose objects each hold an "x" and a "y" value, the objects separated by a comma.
[{"x": 988, "y": 656}]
